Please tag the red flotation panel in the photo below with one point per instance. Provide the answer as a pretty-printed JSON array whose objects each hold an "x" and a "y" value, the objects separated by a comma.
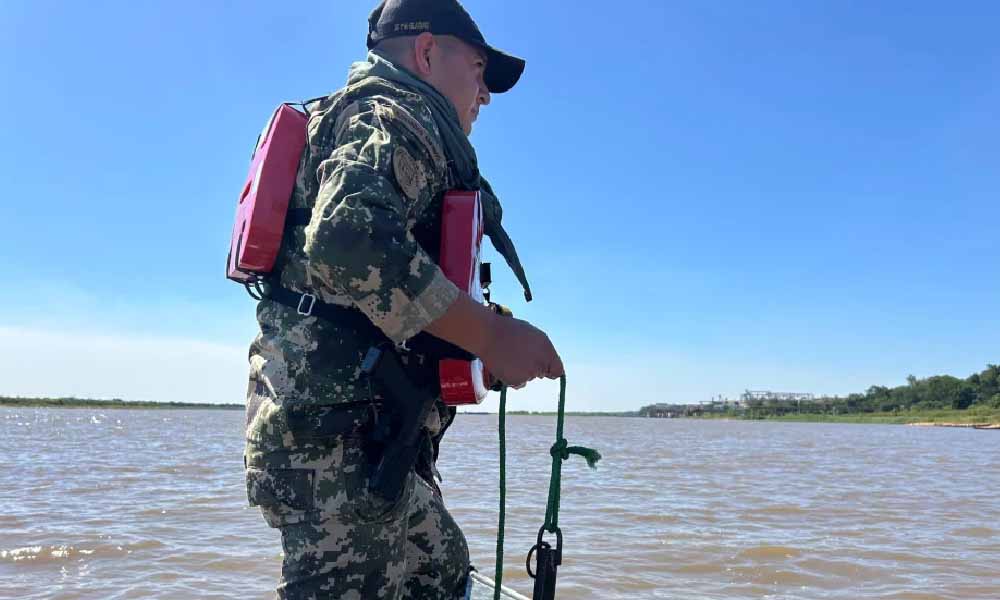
[
  {"x": 263, "y": 205},
  {"x": 462, "y": 382}
]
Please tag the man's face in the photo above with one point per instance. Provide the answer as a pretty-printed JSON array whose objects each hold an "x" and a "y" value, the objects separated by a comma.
[{"x": 458, "y": 74}]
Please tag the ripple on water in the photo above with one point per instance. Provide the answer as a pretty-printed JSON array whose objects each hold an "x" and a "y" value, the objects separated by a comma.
[
  {"x": 10, "y": 521},
  {"x": 700, "y": 569},
  {"x": 974, "y": 532},
  {"x": 61, "y": 553},
  {"x": 764, "y": 553},
  {"x": 766, "y": 575},
  {"x": 783, "y": 511},
  {"x": 914, "y": 595},
  {"x": 852, "y": 570}
]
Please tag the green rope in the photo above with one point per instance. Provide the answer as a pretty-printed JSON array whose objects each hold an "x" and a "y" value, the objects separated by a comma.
[
  {"x": 560, "y": 451},
  {"x": 498, "y": 573}
]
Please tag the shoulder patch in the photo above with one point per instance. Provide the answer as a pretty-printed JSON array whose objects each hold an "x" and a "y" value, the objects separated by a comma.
[
  {"x": 409, "y": 173},
  {"x": 425, "y": 138}
]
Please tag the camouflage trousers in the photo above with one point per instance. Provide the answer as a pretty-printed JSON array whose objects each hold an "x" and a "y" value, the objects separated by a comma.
[{"x": 340, "y": 541}]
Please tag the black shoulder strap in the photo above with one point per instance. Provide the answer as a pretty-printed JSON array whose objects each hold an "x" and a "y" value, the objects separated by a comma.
[{"x": 298, "y": 217}]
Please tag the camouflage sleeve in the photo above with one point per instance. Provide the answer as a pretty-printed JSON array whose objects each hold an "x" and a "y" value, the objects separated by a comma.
[{"x": 372, "y": 189}]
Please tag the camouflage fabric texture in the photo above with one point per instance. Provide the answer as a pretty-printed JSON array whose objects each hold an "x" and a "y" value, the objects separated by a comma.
[
  {"x": 339, "y": 540},
  {"x": 373, "y": 173}
]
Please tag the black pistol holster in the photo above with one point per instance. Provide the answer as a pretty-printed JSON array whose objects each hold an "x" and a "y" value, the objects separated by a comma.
[{"x": 399, "y": 426}]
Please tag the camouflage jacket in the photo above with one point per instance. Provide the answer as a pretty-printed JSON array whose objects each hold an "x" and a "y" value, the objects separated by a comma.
[{"x": 374, "y": 174}]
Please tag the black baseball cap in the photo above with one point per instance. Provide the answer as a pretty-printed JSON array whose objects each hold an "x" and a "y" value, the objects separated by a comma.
[{"x": 394, "y": 18}]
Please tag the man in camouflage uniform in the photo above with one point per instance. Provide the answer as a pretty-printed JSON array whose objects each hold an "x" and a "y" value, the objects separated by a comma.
[{"x": 380, "y": 154}]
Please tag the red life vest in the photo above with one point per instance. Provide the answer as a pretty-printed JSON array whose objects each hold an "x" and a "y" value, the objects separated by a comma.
[
  {"x": 462, "y": 382},
  {"x": 260, "y": 223},
  {"x": 263, "y": 205}
]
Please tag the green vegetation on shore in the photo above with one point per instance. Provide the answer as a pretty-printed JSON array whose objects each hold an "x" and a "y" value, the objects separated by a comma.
[
  {"x": 938, "y": 399},
  {"x": 573, "y": 413},
  {"x": 941, "y": 398},
  {"x": 115, "y": 403},
  {"x": 970, "y": 416}
]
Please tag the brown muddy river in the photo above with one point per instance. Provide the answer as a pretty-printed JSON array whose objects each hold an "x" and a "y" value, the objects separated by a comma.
[{"x": 105, "y": 504}]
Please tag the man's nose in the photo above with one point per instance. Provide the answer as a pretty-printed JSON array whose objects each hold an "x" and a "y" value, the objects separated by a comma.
[{"x": 484, "y": 95}]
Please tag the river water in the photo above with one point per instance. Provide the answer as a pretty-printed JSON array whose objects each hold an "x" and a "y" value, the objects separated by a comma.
[{"x": 115, "y": 504}]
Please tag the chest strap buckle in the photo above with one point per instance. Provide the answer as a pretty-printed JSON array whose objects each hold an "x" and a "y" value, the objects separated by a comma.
[{"x": 306, "y": 304}]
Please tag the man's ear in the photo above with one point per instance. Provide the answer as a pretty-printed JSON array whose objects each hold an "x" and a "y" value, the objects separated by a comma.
[{"x": 422, "y": 47}]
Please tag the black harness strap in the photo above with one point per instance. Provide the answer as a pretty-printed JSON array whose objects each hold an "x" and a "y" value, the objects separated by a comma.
[
  {"x": 308, "y": 305},
  {"x": 298, "y": 217}
]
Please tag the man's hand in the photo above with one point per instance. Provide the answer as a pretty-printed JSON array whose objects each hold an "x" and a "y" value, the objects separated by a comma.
[
  {"x": 520, "y": 352},
  {"x": 514, "y": 351}
]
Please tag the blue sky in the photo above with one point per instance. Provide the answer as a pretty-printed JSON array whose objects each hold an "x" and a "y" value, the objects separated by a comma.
[{"x": 707, "y": 197}]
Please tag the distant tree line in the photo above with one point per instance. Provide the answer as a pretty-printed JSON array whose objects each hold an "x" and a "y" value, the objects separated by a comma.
[
  {"x": 933, "y": 393},
  {"x": 113, "y": 403},
  {"x": 979, "y": 392}
]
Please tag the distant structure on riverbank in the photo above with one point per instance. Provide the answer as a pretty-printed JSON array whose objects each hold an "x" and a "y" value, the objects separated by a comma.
[
  {"x": 662, "y": 411},
  {"x": 673, "y": 411},
  {"x": 748, "y": 397}
]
